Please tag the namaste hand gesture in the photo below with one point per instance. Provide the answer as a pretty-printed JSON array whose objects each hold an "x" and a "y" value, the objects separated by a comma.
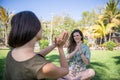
[{"x": 78, "y": 46}]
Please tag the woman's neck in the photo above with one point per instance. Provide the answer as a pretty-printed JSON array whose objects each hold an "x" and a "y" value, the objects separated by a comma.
[
  {"x": 28, "y": 46},
  {"x": 24, "y": 52}
]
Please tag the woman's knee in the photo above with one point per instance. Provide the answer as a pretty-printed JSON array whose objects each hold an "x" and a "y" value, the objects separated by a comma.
[{"x": 92, "y": 72}]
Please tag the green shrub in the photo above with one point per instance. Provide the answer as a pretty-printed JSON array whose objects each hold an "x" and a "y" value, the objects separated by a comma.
[
  {"x": 43, "y": 43},
  {"x": 85, "y": 41},
  {"x": 110, "y": 45}
]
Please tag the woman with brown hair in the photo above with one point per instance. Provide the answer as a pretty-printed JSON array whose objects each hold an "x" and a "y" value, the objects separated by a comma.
[
  {"x": 22, "y": 63},
  {"x": 78, "y": 56}
]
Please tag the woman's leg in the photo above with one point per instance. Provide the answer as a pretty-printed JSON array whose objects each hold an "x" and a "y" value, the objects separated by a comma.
[
  {"x": 84, "y": 75},
  {"x": 70, "y": 76},
  {"x": 87, "y": 74},
  {"x": 67, "y": 77}
]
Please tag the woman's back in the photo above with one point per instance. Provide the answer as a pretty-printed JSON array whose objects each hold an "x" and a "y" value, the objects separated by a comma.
[{"x": 24, "y": 70}]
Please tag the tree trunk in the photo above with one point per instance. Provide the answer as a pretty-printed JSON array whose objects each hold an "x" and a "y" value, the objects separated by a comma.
[
  {"x": 100, "y": 40},
  {"x": 105, "y": 38},
  {"x": 110, "y": 36},
  {"x": 6, "y": 36}
]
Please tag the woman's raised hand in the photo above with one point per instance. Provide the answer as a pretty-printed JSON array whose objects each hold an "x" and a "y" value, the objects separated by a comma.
[
  {"x": 78, "y": 46},
  {"x": 62, "y": 39}
]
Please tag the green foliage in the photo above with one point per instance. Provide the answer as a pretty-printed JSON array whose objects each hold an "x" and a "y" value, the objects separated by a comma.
[
  {"x": 3, "y": 54},
  {"x": 110, "y": 45},
  {"x": 85, "y": 41},
  {"x": 43, "y": 43}
]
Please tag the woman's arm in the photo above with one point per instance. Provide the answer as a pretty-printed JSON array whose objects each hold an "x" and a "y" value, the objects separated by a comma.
[
  {"x": 63, "y": 61},
  {"x": 70, "y": 55},
  {"x": 50, "y": 70},
  {"x": 83, "y": 56},
  {"x": 85, "y": 60},
  {"x": 45, "y": 51}
]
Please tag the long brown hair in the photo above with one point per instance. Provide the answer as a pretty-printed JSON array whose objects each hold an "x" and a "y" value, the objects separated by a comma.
[{"x": 72, "y": 44}]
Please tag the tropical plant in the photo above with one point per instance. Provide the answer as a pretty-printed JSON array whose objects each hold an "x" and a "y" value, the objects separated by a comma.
[
  {"x": 101, "y": 30},
  {"x": 88, "y": 19},
  {"x": 109, "y": 19},
  {"x": 5, "y": 18},
  {"x": 43, "y": 43},
  {"x": 97, "y": 33},
  {"x": 111, "y": 13},
  {"x": 110, "y": 45}
]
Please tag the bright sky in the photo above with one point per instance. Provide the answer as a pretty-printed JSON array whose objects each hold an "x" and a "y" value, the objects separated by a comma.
[{"x": 47, "y": 8}]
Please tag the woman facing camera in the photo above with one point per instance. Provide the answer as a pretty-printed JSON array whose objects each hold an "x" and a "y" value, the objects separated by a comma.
[{"x": 78, "y": 57}]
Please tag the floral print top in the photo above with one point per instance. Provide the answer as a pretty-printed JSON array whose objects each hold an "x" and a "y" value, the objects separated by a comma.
[{"x": 76, "y": 63}]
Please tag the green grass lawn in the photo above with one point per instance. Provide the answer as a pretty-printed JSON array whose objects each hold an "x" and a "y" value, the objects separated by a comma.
[{"x": 105, "y": 63}]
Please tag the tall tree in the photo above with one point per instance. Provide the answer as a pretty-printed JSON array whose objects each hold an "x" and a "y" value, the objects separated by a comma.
[
  {"x": 88, "y": 18},
  {"x": 112, "y": 12},
  {"x": 4, "y": 19},
  {"x": 103, "y": 29},
  {"x": 111, "y": 15}
]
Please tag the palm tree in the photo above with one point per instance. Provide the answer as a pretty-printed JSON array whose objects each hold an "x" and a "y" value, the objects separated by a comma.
[
  {"x": 97, "y": 32},
  {"x": 109, "y": 29},
  {"x": 110, "y": 17},
  {"x": 5, "y": 18},
  {"x": 112, "y": 12},
  {"x": 102, "y": 30}
]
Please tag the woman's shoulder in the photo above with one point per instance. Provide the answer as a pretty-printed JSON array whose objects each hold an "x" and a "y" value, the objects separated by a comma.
[
  {"x": 85, "y": 46},
  {"x": 39, "y": 57}
]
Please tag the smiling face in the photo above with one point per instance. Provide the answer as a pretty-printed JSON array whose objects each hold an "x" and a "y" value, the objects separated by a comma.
[{"x": 77, "y": 37}]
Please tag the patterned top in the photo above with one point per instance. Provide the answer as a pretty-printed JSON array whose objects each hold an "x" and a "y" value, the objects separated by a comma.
[{"x": 76, "y": 62}]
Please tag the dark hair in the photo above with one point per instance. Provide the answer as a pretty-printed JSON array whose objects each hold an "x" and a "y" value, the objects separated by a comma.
[
  {"x": 72, "y": 42},
  {"x": 24, "y": 27}
]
